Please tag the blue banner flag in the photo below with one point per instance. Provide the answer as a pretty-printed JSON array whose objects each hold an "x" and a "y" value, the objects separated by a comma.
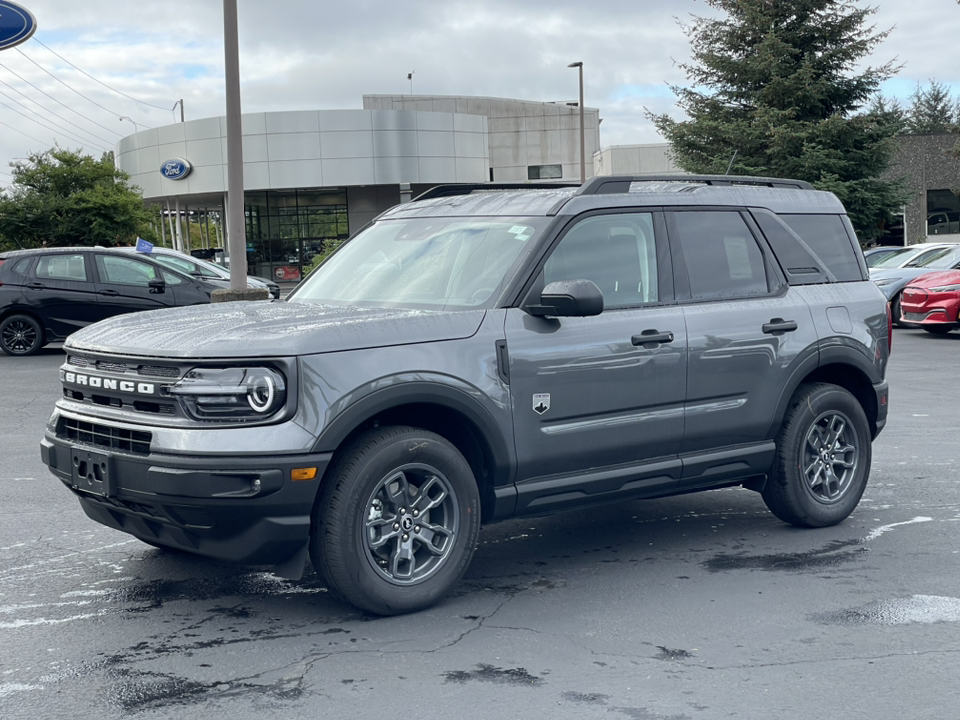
[{"x": 144, "y": 246}]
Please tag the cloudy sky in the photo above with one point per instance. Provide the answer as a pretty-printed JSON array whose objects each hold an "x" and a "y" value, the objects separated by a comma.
[{"x": 304, "y": 54}]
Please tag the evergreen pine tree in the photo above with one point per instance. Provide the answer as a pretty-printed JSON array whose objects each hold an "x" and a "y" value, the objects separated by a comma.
[
  {"x": 778, "y": 84},
  {"x": 932, "y": 110}
]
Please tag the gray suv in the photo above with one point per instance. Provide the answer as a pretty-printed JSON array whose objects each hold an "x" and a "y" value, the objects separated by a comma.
[{"x": 482, "y": 354}]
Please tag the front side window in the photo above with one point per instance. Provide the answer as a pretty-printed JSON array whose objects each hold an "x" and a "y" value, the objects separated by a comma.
[
  {"x": 723, "y": 257},
  {"x": 617, "y": 253},
  {"x": 434, "y": 263},
  {"x": 62, "y": 267},
  {"x": 125, "y": 271}
]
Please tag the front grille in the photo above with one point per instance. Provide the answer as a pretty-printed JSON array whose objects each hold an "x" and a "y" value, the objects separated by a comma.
[
  {"x": 136, "y": 442},
  {"x": 111, "y": 367},
  {"x": 914, "y": 317},
  {"x": 78, "y": 361},
  {"x": 158, "y": 371}
]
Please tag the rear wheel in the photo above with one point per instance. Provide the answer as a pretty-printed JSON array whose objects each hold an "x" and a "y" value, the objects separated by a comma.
[
  {"x": 823, "y": 458},
  {"x": 20, "y": 335},
  {"x": 937, "y": 329},
  {"x": 397, "y": 521}
]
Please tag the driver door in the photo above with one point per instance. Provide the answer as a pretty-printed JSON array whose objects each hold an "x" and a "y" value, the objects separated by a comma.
[{"x": 597, "y": 410}]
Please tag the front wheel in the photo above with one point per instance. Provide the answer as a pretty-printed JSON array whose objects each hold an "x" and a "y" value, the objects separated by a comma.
[
  {"x": 823, "y": 458},
  {"x": 397, "y": 522},
  {"x": 20, "y": 335}
]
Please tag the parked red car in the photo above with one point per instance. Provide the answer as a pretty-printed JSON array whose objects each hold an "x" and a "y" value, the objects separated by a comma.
[{"x": 932, "y": 301}]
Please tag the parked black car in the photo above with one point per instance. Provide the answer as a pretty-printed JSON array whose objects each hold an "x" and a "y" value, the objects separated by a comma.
[
  {"x": 204, "y": 269},
  {"x": 46, "y": 294}
]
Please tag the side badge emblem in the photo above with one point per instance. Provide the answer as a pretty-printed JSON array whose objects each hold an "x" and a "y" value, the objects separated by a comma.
[{"x": 541, "y": 403}]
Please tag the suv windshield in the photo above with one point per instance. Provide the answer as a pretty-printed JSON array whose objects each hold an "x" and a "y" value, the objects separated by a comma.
[
  {"x": 897, "y": 259},
  {"x": 945, "y": 258},
  {"x": 435, "y": 263}
]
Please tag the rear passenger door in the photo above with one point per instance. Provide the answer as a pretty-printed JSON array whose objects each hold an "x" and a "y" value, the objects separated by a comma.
[
  {"x": 745, "y": 332},
  {"x": 593, "y": 403},
  {"x": 62, "y": 291}
]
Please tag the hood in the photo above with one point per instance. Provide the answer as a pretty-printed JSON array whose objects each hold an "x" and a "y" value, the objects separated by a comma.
[
  {"x": 269, "y": 329},
  {"x": 936, "y": 279}
]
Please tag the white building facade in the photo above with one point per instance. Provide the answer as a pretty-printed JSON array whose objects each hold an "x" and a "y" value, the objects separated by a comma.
[{"x": 312, "y": 177}]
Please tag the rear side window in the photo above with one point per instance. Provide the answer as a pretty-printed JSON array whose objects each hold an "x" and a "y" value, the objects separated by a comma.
[
  {"x": 722, "y": 256},
  {"x": 62, "y": 267},
  {"x": 22, "y": 267},
  {"x": 796, "y": 258},
  {"x": 827, "y": 237}
]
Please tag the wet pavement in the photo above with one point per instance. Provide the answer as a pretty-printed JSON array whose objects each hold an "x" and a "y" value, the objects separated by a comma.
[{"x": 702, "y": 606}]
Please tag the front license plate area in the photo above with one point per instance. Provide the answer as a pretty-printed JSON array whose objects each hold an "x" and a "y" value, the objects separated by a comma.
[{"x": 91, "y": 472}]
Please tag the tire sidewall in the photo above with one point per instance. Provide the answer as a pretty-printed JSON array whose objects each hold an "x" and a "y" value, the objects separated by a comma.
[
  {"x": 824, "y": 399},
  {"x": 375, "y": 592}
]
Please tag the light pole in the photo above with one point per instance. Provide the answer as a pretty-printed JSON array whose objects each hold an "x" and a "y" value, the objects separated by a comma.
[
  {"x": 583, "y": 160},
  {"x": 135, "y": 128},
  {"x": 236, "y": 224}
]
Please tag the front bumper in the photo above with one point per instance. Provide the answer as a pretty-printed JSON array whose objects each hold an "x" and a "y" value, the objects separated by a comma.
[{"x": 241, "y": 509}]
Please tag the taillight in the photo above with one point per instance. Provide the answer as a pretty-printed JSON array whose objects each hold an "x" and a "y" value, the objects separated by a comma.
[{"x": 889, "y": 328}]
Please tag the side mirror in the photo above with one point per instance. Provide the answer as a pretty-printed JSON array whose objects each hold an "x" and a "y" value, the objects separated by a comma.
[
  {"x": 158, "y": 286},
  {"x": 569, "y": 298}
]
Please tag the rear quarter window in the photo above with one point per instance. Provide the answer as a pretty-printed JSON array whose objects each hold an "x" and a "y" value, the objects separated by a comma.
[{"x": 826, "y": 236}]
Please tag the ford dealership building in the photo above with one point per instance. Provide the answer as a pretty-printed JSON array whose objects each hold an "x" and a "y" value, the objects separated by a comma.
[{"x": 311, "y": 177}]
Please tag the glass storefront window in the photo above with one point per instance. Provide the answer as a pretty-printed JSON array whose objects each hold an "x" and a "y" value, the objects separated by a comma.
[{"x": 287, "y": 228}]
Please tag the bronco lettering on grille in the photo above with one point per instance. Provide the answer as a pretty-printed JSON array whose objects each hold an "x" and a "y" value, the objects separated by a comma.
[{"x": 94, "y": 381}]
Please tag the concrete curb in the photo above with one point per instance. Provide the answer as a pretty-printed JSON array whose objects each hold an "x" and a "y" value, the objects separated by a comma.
[{"x": 231, "y": 295}]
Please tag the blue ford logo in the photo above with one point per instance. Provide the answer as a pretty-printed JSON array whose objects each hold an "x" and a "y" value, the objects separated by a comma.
[
  {"x": 176, "y": 169},
  {"x": 16, "y": 25}
]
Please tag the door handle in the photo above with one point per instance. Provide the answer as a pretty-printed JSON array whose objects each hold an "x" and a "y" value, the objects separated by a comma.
[
  {"x": 779, "y": 325},
  {"x": 109, "y": 293},
  {"x": 649, "y": 337}
]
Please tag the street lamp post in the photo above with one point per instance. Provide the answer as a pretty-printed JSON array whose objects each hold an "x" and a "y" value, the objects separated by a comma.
[
  {"x": 583, "y": 160},
  {"x": 236, "y": 225},
  {"x": 135, "y": 127}
]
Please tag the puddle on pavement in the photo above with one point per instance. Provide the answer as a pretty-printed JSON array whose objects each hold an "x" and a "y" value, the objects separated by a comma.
[
  {"x": 489, "y": 673},
  {"x": 668, "y": 654},
  {"x": 899, "y": 611},
  {"x": 832, "y": 555}
]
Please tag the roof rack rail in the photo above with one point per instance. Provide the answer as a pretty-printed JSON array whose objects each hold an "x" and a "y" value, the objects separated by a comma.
[
  {"x": 467, "y": 188},
  {"x": 614, "y": 184}
]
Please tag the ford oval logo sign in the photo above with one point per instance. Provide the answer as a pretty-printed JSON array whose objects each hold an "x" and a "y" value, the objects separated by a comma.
[
  {"x": 176, "y": 169},
  {"x": 17, "y": 25}
]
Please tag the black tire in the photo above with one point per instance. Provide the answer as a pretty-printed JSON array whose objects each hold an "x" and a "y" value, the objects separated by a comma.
[
  {"x": 937, "y": 329},
  {"x": 20, "y": 335},
  {"x": 825, "y": 430},
  {"x": 397, "y": 521},
  {"x": 896, "y": 310}
]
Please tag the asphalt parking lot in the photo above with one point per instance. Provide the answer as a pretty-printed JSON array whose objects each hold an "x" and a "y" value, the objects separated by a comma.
[{"x": 699, "y": 607}]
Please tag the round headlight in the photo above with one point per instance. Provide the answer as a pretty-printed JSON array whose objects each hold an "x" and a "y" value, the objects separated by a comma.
[{"x": 261, "y": 393}]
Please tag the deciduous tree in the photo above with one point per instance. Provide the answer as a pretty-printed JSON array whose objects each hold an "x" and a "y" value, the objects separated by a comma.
[{"x": 60, "y": 197}]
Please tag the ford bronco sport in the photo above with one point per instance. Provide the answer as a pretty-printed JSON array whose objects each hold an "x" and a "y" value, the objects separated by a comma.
[{"x": 481, "y": 354}]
